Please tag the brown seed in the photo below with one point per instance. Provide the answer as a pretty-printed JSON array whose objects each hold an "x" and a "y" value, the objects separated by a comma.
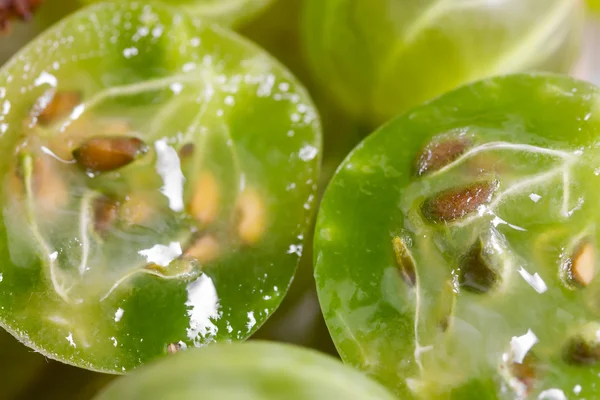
[
  {"x": 78, "y": 131},
  {"x": 187, "y": 150},
  {"x": 404, "y": 261},
  {"x": 173, "y": 348},
  {"x": 204, "y": 249},
  {"x": 453, "y": 204},
  {"x": 205, "y": 202},
  {"x": 580, "y": 351},
  {"x": 59, "y": 106},
  {"x": 106, "y": 211},
  {"x": 583, "y": 264},
  {"x": 476, "y": 274},
  {"x": 439, "y": 153},
  {"x": 103, "y": 154},
  {"x": 251, "y": 212}
]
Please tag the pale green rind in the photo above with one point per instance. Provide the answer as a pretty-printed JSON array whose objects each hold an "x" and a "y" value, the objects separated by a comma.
[
  {"x": 226, "y": 12},
  {"x": 249, "y": 371}
]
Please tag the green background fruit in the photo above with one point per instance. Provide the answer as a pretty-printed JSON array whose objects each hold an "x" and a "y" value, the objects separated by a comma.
[
  {"x": 378, "y": 58},
  {"x": 438, "y": 302},
  {"x": 226, "y": 12},
  {"x": 250, "y": 371}
]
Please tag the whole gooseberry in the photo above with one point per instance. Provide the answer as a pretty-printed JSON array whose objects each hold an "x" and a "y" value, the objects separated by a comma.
[{"x": 381, "y": 57}]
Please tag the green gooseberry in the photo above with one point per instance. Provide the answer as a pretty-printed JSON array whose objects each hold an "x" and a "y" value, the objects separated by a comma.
[
  {"x": 379, "y": 58},
  {"x": 456, "y": 248},
  {"x": 253, "y": 370},
  {"x": 225, "y": 12},
  {"x": 159, "y": 176}
]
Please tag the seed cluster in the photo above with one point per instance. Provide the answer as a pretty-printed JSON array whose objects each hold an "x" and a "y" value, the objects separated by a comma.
[
  {"x": 110, "y": 151},
  {"x": 483, "y": 268},
  {"x": 104, "y": 154}
]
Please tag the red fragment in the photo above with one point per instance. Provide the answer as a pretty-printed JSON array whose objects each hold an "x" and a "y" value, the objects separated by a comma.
[{"x": 16, "y": 9}]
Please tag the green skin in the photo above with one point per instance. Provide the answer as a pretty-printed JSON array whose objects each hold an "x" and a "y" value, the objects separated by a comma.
[
  {"x": 379, "y": 58},
  {"x": 252, "y": 125},
  {"x": 226, "y": 12},
  {"x": 537, "y": 137},
  {"x": 249, "y": 371}
]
